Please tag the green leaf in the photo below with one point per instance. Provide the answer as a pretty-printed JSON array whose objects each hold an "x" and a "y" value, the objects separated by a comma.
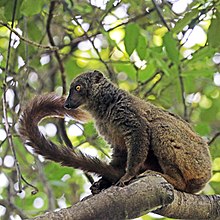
[
  {"x": 202, "y": 53},
  {"x": 203, "y": 128},
  {"x": 141, "y": 47},
  {"x": 215, "y": 150},
  {"x": 204, "y": 71},
  {"x": 215, "y": 186},
  {"x": 181, "y": 23},
  {"x": 9, "y": 6},
  {"x": 127, "y": 68},
  {"x": 158, "y": 56},
  {"x": 109, "y": 5},
  {"x": 89, "y": 129},
  {"x": 132, "y": 32},
  {"x": 163, "y": 66},
  {"x": 3, "y": 2},
  {"x": 214, "y": 32},
  {"x": 2, "y": 17},
  {"x": 49, "y": 169},
  {"x": 171, "y": 47},
  {"x": 34, "y": 33},
  {"x": 31, "y": 7},
  {"x": 143, "y": 75}
]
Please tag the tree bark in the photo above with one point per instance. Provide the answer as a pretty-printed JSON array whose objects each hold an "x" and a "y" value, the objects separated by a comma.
[{"x": 150, "y": 192}]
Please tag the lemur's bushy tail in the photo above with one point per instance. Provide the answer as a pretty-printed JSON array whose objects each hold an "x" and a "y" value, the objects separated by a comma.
[{"x": 51, "y": 105}]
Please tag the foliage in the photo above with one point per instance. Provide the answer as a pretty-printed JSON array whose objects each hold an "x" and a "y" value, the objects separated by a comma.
[{"x": 171, "y": 59}]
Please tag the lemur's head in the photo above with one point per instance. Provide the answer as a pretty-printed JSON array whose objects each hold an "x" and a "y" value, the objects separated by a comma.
[{"x": 81, "y": 89}]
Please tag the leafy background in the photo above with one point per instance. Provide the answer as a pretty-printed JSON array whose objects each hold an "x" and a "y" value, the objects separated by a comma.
[{"x": 166, "y": 52}]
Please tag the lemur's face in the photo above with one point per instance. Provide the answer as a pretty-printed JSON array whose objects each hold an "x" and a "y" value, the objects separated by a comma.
[
  {"x": 77, "y": 94},
  {"x": 81, "y": 88}
]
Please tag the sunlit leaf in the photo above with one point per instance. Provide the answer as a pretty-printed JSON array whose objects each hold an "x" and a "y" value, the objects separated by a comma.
[
  {"x": 89, "y": 129},
  {"x": 131, "y": 37}
]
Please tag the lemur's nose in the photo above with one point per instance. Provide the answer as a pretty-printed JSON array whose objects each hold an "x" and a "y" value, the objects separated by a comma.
[{"x": 67, "y": 105}]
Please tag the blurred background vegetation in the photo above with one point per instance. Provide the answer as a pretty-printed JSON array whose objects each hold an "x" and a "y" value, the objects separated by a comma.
[{"x": 166, "y": 52}]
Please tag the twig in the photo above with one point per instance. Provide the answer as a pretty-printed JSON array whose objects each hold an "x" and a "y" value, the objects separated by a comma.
[
  {"x": 62, "y": 71},
  {"x": 182, "y": 93},
  {"x": 62, "y": 130},
  {"x": 214, "y": 137},
  {"x": 47, "y": 187},
  {"x": 154, "y": 85},
  {"x": 92, "y": 42},
  {"x": 3, "y": 142},
  {"x": 50, "y": 37},
  {"x": 132, "y": 19},
  {"x": 27, "y": 40},
  {"x": 35, "y": 191},
  {"x": 61, "y": 67},
  {"x": 97, "y": 59},
  {"x": 97, "y": 52},
  {"x": 7, "y": 125},
  {"x": 105, "y": 14},
  {"x": 83, "y": 37},
  {"x": 160, "y": 14},
  {"x": 11, "y": 206},
  {"x": 142, "y": 84}
]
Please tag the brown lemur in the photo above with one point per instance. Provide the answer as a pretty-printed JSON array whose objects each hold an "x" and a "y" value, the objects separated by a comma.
[{"x": 143, "y": 136}]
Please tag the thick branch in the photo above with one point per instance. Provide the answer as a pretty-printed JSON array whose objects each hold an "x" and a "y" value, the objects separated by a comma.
[
  {"x": 189, "y": 206},
  {"x": 148, "y": 193}
]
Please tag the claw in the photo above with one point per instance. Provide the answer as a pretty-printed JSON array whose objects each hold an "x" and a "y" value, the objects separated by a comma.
[
  {"x": 100, "y": 185},
  {"x": 120, "y": 184},
  {"x": 124, "y": 180}
]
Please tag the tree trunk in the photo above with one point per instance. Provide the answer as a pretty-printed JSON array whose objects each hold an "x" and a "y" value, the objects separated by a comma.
[{"x": 150, "y": 192}]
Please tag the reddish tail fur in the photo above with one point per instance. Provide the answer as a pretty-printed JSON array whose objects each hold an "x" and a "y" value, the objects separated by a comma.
[{"x": 51, "y": 105}]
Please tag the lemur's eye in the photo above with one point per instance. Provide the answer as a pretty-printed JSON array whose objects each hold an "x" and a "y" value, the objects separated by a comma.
[{"x": 78, "y": 88}]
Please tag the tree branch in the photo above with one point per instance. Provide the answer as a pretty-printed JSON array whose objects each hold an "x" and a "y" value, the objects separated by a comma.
[
  {"x": 4, "y": 104},
  {"x": 50, "y": 37},
  {"x": 10, "y": 206},
  {"x": 182, "y": 87},
  {"x": 28, "y": 40},
  {"x": 160, "y": 14},
  {"x": 214, "y": 137},
  {"x": 149, "y": 192}
]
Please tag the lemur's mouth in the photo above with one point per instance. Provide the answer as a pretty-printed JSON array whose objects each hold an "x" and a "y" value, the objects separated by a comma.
[{"x": 71, "y": 105}]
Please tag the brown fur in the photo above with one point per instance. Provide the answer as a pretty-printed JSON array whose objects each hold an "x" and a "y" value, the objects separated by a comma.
[
  {"x": 52, "y": 105},
  {"x": 142, "y": 135}
]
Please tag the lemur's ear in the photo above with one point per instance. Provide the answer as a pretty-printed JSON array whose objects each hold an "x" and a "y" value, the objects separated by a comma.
[{"x": 97, "y": 75}]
